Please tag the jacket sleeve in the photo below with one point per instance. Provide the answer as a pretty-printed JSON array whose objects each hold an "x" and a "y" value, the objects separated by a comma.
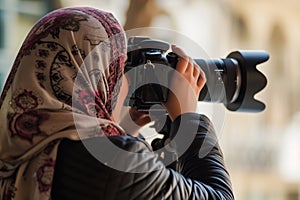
[
  {"x": 137, "y": 173},
  {"x": 202, "y": 162},
  {"x": 202, "y": 173}
]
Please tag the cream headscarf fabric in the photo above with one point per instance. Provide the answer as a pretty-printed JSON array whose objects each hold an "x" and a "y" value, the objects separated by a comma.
[{"x": 40, "y": 99}]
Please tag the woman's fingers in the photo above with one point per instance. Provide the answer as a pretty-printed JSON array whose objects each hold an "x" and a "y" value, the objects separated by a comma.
[
  {"x": 185, "y": 63},
  {"x": 196, "y": 71},
  {"x": 201, "y": 79},
  {"x": 139, "y": 117},
  {"x": 185, "y": 86},
  {"x": 178, "y": 51},
  {"x": 183, "y": 60},
  {"x": 189, "y": 69}
]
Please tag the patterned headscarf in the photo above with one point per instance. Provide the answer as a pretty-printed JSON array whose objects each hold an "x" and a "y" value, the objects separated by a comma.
[{"x": 64, "y": 80}]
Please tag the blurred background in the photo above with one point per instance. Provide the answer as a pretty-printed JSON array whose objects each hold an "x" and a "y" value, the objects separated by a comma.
[{"x": 262, "y": 150}]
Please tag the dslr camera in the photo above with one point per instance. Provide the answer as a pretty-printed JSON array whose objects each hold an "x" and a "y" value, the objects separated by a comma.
[{"x": 233, "y": 80}]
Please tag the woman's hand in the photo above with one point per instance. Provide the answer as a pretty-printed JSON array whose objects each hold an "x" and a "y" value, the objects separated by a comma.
[
  {"x": 185, "y": 86},
  {"x": 140, "y": 118},
  {"x": 133, "y": 120}
]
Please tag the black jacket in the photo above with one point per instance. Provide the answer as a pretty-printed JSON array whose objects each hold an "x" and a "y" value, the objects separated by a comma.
[{"x": 142, "y": 175}]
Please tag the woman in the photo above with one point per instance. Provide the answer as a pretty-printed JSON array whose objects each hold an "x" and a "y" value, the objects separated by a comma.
[{"x": 62, "y": 96}]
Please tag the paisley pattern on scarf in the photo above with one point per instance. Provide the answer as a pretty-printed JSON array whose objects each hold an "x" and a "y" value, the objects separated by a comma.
[{"x": 41, "y": 97}]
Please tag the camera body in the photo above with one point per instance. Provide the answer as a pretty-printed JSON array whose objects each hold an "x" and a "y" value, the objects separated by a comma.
[
  {"x": 232, "y": 81},
  {"x": 148, "y": 71}
]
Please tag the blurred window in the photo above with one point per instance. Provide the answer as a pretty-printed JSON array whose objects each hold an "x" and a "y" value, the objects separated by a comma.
[
  {"x": 1, "y": 82},
  {"x": 2, "y": 28},
  {"x": 278, "y": 43}
]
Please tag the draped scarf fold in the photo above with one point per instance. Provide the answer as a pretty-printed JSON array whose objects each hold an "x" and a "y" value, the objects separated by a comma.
[{"x": 65, "y": 80}]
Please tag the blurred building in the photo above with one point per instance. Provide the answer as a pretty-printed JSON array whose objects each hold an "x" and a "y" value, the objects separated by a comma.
[
  {"x": 262, "y": 150},
  {"x": 16, "y": 19}
]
